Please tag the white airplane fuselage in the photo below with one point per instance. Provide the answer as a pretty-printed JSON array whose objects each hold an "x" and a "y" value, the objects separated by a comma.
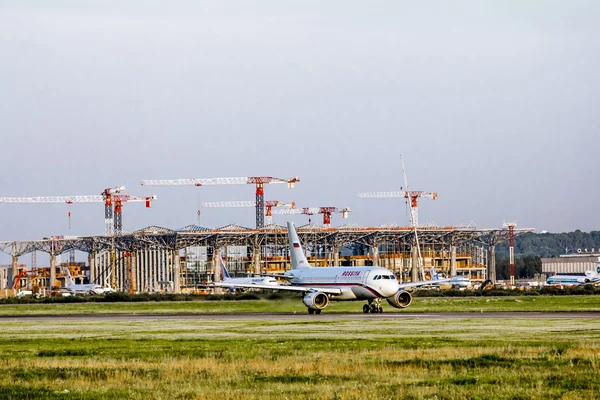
[
  {"x": 460, "y": 281},
  {"x": 355, "y": 283},
  {"x": 570, "y": 280},
  {"x": 85, "y": 289}
]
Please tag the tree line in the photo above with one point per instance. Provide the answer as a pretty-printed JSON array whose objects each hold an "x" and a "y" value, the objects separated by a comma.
[{"x": 531, "y": 247}]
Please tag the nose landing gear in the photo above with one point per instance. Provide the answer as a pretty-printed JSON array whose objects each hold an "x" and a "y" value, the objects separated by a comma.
[{"x": 374, "y": 307}]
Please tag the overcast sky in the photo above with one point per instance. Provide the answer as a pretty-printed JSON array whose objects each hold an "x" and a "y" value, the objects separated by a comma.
[{"x": 494, "y": 105}]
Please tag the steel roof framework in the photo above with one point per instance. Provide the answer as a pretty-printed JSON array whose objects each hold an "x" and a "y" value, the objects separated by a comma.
[{"x": 240, "y": 236}]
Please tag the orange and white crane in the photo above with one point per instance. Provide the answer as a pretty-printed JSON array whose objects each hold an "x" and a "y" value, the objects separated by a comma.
[
  {"x": 259, "y": 181},
  {"x": 411, "y": 195},
  {"x": 326, "y": 211},
  {"x": 112, "y": 196},
  {"x": 269, "y": 204}
]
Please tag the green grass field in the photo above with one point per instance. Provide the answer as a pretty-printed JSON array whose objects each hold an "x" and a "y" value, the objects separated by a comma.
[
  {"x": 420, "y": 304},
  {"x": 304, "y": 359},
  {"x": 308, "y": 358}
]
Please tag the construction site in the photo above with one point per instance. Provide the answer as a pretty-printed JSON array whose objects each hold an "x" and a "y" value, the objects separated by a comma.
[{"x": 186, "y": 259}]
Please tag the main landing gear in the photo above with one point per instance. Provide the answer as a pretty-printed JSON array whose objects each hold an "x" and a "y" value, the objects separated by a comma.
[
  {"x": 314, "y": 311},
  {"x": 374, "y": 307}
]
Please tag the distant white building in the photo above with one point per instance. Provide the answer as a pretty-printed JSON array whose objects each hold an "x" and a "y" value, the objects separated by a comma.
[{"x": 570, "y": 263}]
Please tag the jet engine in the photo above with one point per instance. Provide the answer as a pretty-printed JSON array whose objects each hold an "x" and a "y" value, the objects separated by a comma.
[
  {"x": 316, "y": 300},
  {"x": 401, "y": 299}
]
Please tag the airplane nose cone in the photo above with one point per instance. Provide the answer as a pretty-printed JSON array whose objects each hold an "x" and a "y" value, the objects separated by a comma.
[{"x": 391, "y": 288}]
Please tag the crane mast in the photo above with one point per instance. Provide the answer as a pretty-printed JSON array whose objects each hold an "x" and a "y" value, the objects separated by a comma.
[{"x": 258, "y": 181}]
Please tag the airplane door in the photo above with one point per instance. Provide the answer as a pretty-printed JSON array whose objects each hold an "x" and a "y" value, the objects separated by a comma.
[{"x": 365, "y": 277}]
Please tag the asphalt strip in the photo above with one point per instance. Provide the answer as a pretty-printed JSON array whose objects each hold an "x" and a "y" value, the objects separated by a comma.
[{"x": 302, "y": 316}]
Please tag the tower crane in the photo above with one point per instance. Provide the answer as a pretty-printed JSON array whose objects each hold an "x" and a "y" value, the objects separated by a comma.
[
  {"x": 411, "y": 195},
  {"x": 259, "y": 181},
  {"x": 113, "y": 224},
  {"x": 326, "y": 211},
  {"x": 269, "y": 204}
]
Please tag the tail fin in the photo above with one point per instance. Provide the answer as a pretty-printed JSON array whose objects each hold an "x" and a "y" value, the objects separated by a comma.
[
  {"x": 69, "y": 279},
  {"x": 225, "y": 273},
  {"x": 297, "y": 254},
  {"x": 434, "y": 276}
]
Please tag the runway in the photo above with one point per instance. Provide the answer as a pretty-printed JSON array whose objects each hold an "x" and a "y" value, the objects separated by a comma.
[{"x": 304, "y": 317}]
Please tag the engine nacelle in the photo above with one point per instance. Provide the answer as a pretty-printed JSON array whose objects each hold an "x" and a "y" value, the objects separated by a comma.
[
  {"x": 316, "y": 300},
  {"x": 401, "y": 299}
]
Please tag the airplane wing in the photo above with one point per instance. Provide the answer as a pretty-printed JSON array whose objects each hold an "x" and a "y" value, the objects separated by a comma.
[
  {"x": 423, "y": 283},
  {"x": 281, "y": 276},
  {"x": 334, "y": 291}
]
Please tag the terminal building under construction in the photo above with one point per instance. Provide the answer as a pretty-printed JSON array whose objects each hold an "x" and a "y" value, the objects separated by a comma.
[{"x": 156, "y": 259}]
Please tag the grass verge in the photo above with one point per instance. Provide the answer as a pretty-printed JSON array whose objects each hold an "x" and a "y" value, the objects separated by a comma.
[
  {"x": 420, "y": 304},
  {"x": 307, "y": 359}
]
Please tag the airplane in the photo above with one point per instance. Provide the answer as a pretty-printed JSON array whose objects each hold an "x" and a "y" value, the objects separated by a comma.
[
  {"x": 320, "y": 285},
  {"x": 87, "y": 288},
  {"x": 233, "y": 283},
  {"x": 575, "y": 280},
  {"x": 460, "y": 281}
]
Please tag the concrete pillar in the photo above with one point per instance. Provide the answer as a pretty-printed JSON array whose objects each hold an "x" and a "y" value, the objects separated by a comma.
[
  {"x": 113, "y": 268},
  {"x": 452, "y": 261},
  {"x": 414, "y": 263},
  {"x": 216, "y": 265},
  {"x": 491, "y": 271},
  {"x": 92, "y": 264},
  {"x": 52, "y": 271},
  {"x": 176, "y": 271},
  {"x": 375, "y": 254},
  {"x": 256, "y": 261},
  {"x": 15, "y": 271},
  {"x": 336, "y": 256},
  {"x": 137, "y": 284}
]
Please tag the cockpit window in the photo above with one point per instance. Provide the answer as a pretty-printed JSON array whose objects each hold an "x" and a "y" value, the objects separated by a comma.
[
  {"x": 392, "y": 277},
  {"x": 377, "y": 277},
  {"x": 385, "y": 276}
]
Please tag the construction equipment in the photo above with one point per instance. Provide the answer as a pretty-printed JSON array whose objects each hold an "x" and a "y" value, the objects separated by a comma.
[
  {"x": 18, "y": 278},
  {"x": 269, "y": 204},
  {"x": 411, "y": 195},
  {"x": 259, "y": 181},
  {"x": 113, "y": 224},
  {"x": 326, "y": 211}
]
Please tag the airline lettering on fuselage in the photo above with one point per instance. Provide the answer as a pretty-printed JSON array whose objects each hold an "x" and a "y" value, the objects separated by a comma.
[{"x": 351, "y": 273}]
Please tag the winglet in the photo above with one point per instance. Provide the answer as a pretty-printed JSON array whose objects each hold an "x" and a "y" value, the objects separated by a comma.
[
  {"x": 225, "y": 273},
  {"x": 296, "y": 253}
]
